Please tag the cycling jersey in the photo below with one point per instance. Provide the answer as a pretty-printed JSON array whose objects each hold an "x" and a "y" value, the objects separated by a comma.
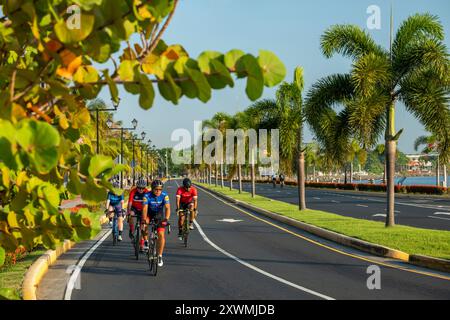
[
  {"x": 186, "y": 196},
  {"x": 136, "y": 199},
  {"x": 155, "y": 203},
  {"x": 114, "y": 199}
]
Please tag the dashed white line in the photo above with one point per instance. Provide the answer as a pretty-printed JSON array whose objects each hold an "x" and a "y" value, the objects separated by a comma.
[
  {"x": 362, "y": 205},
  {"x": 439, "y": 218},
  {"x": 248, "y": 265}
]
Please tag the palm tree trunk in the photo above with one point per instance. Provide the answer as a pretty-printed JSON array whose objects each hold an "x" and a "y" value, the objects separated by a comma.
[
  {"x": 231, "y": 182},
  {"x": 390, "y": 162},
  {"x": 390, "y": 148},
  {"x": 345, "y": 173},
  {"x": 252, "y": 169},
  {"x": 210, "y": 174},
  {"x": 301, "y": 181},
  {"x": 240, "y": 177},
  {"x": 351, "y": 172},
  {"x": 221, "y": 174},
  {"x": 445, "y": 176},
  {"x": 216, "y": 175},
  {"x": 438, "y": 173}
]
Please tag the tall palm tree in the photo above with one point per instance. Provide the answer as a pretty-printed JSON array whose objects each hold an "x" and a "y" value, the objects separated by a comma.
[
  {"x": 289, "y": 99},
  {"x": 415, "y": 71}
]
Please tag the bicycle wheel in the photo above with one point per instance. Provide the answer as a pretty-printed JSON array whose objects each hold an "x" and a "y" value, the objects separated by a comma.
[
  {"x": 186, "y": 228},
  {"x": 152, "y": 255},
  {"x": 137, "y": 240},
  {"x": 114, "y": 231}
]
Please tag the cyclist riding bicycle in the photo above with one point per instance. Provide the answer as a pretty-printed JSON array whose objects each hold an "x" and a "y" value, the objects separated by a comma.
[
  {"x": 114, "y": 204},
  {"x": 154, "y": 203},
  {"x": 186, "y": 199},
  {"x": 135, "y": 204}
]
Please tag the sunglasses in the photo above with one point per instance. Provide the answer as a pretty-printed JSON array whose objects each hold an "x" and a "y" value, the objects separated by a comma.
[{"x": 158, "y": 189}]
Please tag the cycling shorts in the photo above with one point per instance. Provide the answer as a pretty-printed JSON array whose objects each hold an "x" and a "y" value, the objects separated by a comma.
[{"x": 117, "y": 210}]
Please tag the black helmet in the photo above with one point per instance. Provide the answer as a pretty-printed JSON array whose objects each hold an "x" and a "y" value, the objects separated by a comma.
[
  {"x": 187, "y": 183},
  {"x": 157, "y": 183},
  {"x": 141, "y": 183}
]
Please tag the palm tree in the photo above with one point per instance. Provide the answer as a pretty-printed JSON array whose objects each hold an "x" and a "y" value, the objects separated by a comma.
[
  {"x": 415, "y": 71},
  {"x": 289, "y": 99},
  {"x": 432, "y": 145}
]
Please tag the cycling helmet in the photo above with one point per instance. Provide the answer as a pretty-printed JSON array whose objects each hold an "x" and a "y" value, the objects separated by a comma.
[
  {"x": 156, "y": 184},
  {"x": 187, "y": 183},
  {"x": 141, "y": 183}
]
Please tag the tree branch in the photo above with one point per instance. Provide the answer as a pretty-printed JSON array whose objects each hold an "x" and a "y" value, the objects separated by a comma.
[{"x": 155, "y": 42}]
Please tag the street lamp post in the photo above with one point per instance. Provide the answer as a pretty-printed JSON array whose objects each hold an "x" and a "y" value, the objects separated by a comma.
[
  {"x": 133, "y": 139},
  {"x": 97, "y": 110},
  {"x": 109, "y": 123}
]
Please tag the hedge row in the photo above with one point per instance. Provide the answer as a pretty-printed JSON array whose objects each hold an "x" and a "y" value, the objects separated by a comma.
[{"x": 426, "y": 189}]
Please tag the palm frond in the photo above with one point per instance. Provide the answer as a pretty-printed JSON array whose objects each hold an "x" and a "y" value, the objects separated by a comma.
[{"x": 350, "y": 41}]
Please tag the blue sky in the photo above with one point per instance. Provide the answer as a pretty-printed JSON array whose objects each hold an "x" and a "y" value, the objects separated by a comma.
[{"x": 289, "y": 28}]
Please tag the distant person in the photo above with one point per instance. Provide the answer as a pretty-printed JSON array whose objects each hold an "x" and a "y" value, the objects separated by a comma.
[
  {"x": 274, "y": 180},
  {"x": 281, "y": 180}
]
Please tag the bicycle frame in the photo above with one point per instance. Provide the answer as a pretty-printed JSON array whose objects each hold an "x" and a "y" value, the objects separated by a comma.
[
  {"x": 137, "y": 234},
  {"x": 185, "y": 230}
]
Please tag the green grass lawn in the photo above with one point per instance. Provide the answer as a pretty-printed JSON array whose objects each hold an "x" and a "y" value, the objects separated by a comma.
[
  {"x": 12, "y": 276},
  {"x": 434, "y": 243}
]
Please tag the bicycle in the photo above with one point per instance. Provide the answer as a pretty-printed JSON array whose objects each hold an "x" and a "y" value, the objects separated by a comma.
[
  {"x": 185, "y": 228},
  {"x": 136, "y": 235},
  {"x": 115, "y": 229},
  {"x": 152, "y": 253}
]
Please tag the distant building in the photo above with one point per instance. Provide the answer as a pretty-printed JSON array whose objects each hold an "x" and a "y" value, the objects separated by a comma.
[{"x": 419, "y": 163}]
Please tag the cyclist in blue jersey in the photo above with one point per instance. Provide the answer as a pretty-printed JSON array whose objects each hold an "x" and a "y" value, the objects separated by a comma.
[
  {"x": 154, "y": 203},
  {"x": 114, "y": 205}
]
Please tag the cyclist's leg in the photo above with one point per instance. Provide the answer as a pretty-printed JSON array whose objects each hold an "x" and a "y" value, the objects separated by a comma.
[
  {"x": 161, "y": 234},
  {"x": 191, "y": 209},
  {"x": 120, "y": 218},
  {"x": 110, "y": 213},
  {"x": 144, "y": 228},
  {"x": 181, "y": 217},
  {"x": 131, "y": 219}
]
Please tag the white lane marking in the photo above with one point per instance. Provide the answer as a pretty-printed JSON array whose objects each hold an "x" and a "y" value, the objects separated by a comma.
[
  {"x": 316, "y": 198},
  {"x": 429, "y": 206},
  {"x": 445, "y": 213},
  {"x": 335, "y": 201},
  {"x": 439, "y": 218},
  {"x": 79, "y": 266},
  {"x": 379, "y": 215},
  {"x": 248, "y": 265},
  {"x": 229, "y": 220},
  {"x": 362, "y": 205}
]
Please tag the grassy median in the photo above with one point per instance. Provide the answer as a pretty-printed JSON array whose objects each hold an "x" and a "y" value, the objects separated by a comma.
[{"x": 433, "y": 243}]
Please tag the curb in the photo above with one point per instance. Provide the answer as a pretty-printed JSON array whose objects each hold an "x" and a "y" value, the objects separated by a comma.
[
  {"x": 39, "y": 268},
  {"x": 36, "y": 272},
  {"x": 379, "y": 250}
]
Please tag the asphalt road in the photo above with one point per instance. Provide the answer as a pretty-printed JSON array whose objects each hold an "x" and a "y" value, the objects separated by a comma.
[
  {"x": 246, "y": 257},
  {"x": 412, "y": 210}
]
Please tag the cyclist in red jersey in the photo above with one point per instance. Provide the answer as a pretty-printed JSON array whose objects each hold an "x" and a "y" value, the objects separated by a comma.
[
  {"x": 186, "y": 199},
  {"x": 135, "y": 203}
]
